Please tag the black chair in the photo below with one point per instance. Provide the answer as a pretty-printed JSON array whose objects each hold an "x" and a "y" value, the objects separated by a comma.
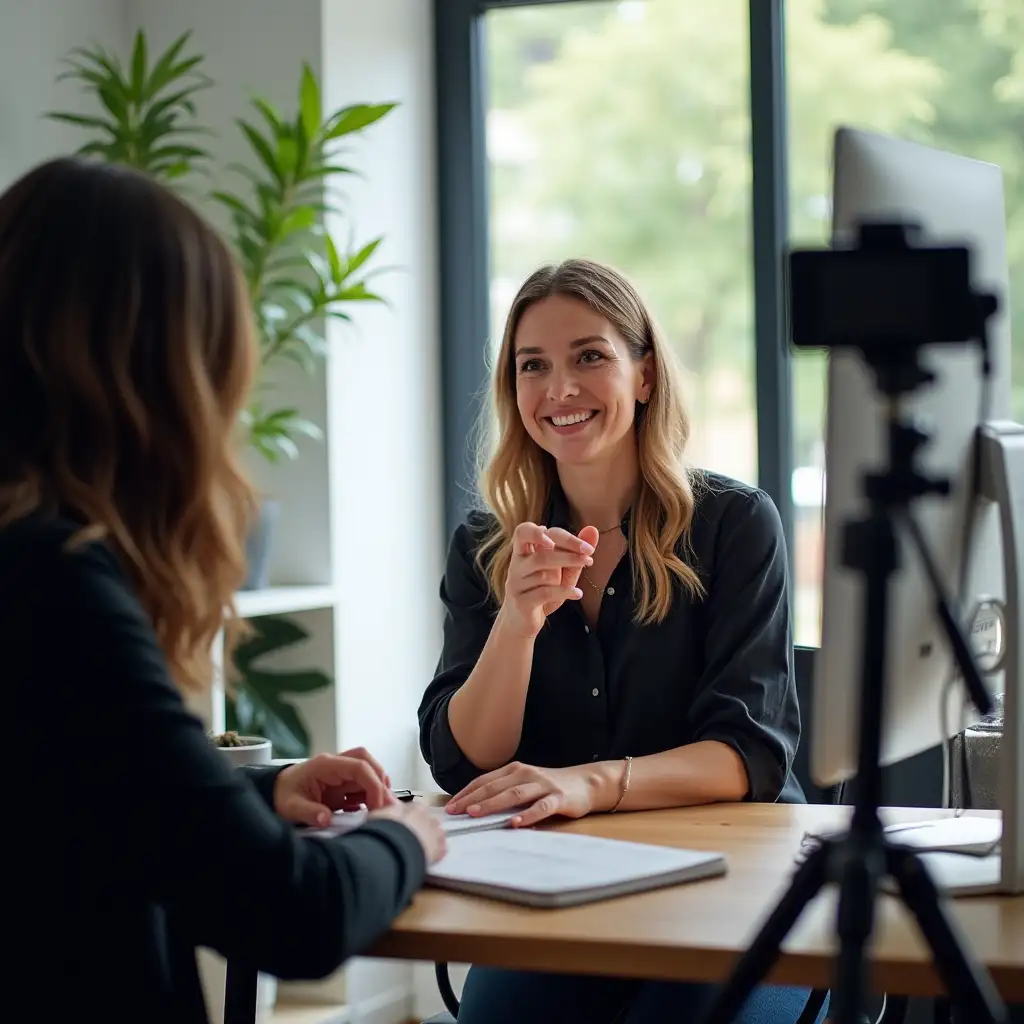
[{"x": 448, "y": 997}]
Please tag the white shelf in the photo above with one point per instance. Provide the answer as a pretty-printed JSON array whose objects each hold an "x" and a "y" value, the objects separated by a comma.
[{"x": 282, "y": 600}]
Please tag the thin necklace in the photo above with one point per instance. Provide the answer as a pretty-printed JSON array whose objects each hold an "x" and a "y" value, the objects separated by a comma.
[{"x": 601, "y": 533}]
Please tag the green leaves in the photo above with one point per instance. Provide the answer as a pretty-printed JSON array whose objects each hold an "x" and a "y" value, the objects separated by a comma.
[
  {"x": 146, "y": 112},
  {"x": 309, "y": 104},
  {"x": 263, "y": 149},
  {"x": 272, "y": 433},
  {"x": 298, "y": 275},
  {"x": 259, "y": 705},
  {"x": 354, "y": 119}
]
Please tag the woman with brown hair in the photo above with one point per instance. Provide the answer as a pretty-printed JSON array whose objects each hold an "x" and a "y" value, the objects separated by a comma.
[
  {"x": 617, "y": 631},
  {"x": 126, "y": 354}
]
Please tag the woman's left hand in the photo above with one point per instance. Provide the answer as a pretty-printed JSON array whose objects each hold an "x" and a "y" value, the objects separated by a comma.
[
  {"x": 309, "y": 792},
  {"x": 543, "y": 792}
]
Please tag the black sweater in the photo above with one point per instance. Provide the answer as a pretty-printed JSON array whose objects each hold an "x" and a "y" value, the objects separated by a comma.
[{"x": 133, "y": 840}]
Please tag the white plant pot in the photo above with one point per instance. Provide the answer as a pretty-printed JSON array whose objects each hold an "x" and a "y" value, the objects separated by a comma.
[{"x": 256, "y": 750}]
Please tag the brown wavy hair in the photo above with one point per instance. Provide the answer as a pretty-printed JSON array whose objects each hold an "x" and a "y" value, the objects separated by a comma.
[
  {"x": 126, "y": 355},
  {"x": 517, "y": 476}
]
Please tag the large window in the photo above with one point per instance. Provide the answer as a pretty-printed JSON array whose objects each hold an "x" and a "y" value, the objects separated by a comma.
[
  {"x": 637, "y": 132},
  {"x": 620, "y": 131},
  {"x": 942, "y": 72}
]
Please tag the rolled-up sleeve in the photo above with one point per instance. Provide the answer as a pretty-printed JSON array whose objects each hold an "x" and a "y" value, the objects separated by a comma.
[
  {"x": 746, "y": 696},
  {"x": 469, "y": 615}
]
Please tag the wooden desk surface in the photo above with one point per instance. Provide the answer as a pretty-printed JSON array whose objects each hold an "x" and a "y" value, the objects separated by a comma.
[{"x": 694, "y": 932}]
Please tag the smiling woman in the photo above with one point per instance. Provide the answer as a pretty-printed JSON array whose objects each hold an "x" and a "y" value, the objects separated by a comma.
[
  {"x": 617, "y": 633},
  {"x": 579, "y": 339}
]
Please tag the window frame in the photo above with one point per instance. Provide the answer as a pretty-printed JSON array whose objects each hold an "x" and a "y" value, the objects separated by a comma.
[{"x": 462, "y": 182}]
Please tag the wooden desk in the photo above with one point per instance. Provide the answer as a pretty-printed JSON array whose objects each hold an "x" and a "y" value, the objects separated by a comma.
[{"x": 694, "y": 932}]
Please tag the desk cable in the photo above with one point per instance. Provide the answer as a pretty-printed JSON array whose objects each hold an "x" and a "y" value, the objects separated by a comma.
[{"x": 971, "y": 510}]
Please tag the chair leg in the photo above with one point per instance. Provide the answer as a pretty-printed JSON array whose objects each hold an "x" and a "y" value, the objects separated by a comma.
[
  {"x": 240, "y": 994},
  {"x": 444, "y": 986}
]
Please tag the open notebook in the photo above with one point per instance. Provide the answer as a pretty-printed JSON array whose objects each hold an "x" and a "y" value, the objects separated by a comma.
[{"x": 562, "y": 869}]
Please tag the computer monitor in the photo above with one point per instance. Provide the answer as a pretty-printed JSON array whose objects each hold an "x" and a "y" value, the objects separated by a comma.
[{"x": 954, "y": 200}]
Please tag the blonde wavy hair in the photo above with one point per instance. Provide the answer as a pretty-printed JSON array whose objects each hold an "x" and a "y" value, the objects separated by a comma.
[
  {"x": 126, "y": 355},
  {"x": 516, "y": 476}
]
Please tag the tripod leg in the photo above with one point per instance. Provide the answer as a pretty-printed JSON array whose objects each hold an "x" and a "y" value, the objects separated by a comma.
[
  {"x": 855, "y": 922},
  {"x": 970, "y": 988},
  {"x": 757, "y": 961}
]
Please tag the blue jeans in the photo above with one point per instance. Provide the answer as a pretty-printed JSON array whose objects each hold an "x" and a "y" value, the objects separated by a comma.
[{"x": 495, "y": 996}]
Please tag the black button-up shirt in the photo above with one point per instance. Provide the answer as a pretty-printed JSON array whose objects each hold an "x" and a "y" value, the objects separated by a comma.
[{"x": 716, "y": 668}]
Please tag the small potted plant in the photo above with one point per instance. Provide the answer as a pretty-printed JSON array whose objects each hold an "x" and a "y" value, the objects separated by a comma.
[{"x": 242, "y": 749}]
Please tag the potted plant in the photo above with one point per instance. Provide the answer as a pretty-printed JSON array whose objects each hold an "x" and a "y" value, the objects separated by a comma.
[
  {"x": 242, "y": 749},
  {"x": 298, "y": 275}
]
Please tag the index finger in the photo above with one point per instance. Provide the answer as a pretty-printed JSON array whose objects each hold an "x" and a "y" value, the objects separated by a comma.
[
  {"x": 463, "y": 797},
  {"x": 529, "y": 535},
  {"x": 569, "y": 541}
]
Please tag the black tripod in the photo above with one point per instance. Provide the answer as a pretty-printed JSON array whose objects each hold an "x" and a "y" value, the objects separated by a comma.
[{"x": 860, "y": 859}]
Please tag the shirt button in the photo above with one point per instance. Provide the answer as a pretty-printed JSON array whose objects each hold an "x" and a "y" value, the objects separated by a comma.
[
  {"x": 610, "y": 591},
  {"x": 595, "y": 757},
  {"x": 586, "y": 629},
  {"x": 594, "y": 692}
]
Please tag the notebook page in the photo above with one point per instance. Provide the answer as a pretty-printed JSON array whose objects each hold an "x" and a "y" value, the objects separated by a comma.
[{"x": 455, "y": 824}]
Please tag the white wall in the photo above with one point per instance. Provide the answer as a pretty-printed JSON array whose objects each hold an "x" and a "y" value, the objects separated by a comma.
[
  {"x": 257, "y": 47},
  {"x": 385, "y": 383},
  {"x": 35, "y": 35},
  {"x": 385, "y": 386}
]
